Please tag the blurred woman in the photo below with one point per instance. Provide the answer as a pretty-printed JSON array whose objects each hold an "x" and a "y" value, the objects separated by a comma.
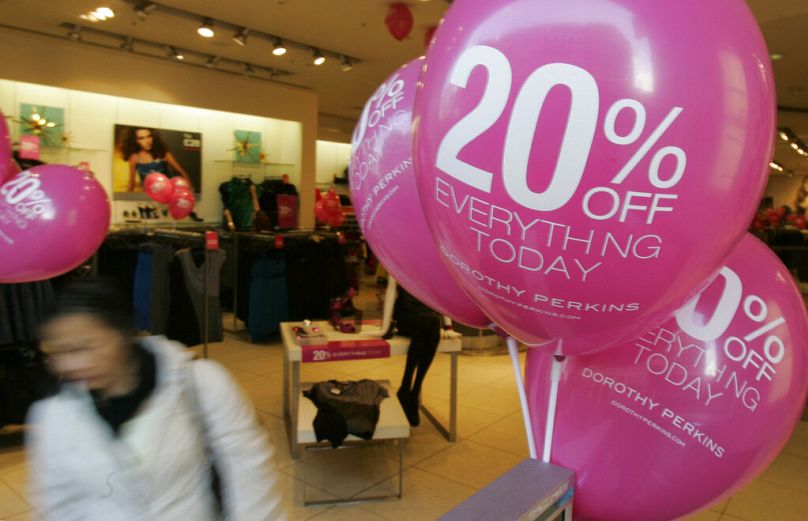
[{"x": 138, "y": 430}]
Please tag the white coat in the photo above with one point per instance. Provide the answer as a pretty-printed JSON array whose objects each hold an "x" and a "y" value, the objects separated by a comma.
[{"x": 157, "y": 468}]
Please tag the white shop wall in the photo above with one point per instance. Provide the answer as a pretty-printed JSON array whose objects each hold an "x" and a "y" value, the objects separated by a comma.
[
  {"x": 90, "y": 118},
  {"x": 783, "y": 189},
  {"x": 332, "y": 158}
]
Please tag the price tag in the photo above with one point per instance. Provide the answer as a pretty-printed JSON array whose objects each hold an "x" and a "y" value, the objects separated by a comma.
[{"x": 336, "y": 351}]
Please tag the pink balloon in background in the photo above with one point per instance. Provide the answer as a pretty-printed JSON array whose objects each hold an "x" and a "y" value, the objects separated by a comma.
[
  {"x": 385, "y": 198},
  {"x": 180, "y": 182},
  {"x": 585, "y": 165},
  {"x": 6, "y": 158},
  {"x": 690, "y": 411},
  {"x": 52, "y": 218},
  {"x": 159, "y": 187},
  {"x": 181, "y": 203}
]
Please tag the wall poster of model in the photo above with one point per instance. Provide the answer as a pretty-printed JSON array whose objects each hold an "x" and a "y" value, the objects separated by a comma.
[{"x": 141, "y": 150}]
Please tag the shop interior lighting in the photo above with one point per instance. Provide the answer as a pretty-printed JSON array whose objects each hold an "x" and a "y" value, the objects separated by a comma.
[
  {"x": 795, "y": 146},
  {"x": 776, "y": 166},
  {"x": 278, "y": 48},
  {"x": 274, "y": 74},
  {"x": 775, "y": 56},
  {"x": 145, "y": 9},
  {"x": 241, "y": 36},
  {"x": 783, "y": 136},
  {"x": 319, "y": 59},
  {"x": 174, "y": 54},
  {"x": 347, "y": 65},
  {"x": 248, "y": 70},
  {"x": 75, "y": 33},
  {"x": 206, "y": 29}
]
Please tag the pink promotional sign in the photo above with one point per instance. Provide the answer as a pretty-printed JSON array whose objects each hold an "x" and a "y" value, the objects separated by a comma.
[
  {"x": 335, "y": 351},
  {"x": 691, "y": 410},
  {"x": 584, "y": 166},
  {"x": 29, "y": 147},
  {"x": 287, "y": 211}
]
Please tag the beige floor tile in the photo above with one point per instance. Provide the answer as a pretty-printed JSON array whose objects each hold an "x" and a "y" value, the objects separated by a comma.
[
  {"x": 291, "y": 493},
  {"x": 494, "y": 399},
  {"x": 469, "y": 420},
  {"x": 439, "y": 386},
  {"x": 270, "y": 422},
  {"x": 424, "y": 441},
  {"x": 789, "y": 471},
  {"x": 281, "y": 455},
  {"x": 258, "y": 387},
  {"x": 798, "y": 443},
  {"x": 11, "y": 503},
  {"x": 425, "y": 497},
  {"x": 12, "y": 452},
  {"x": 18, "y": 481},
  {"x": 720, "y": 506},
  {"x": 348, "y": 513},
  {"x": 25, "y": 516},
  {"x": 470, "y": 463},
  {"x": 271, "y": 405},
  {"x": 762, "y": 501},
  {"x": 507, "y": 434},
  {"x": 706, "y": 515},
  {"x": 345, "y": 473}
]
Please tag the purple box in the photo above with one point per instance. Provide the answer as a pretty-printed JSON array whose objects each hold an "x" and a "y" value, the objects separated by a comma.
[{"x": 531, "y": 491}]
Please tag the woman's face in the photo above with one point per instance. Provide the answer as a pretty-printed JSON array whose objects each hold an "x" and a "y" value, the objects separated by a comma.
[
  {"x": 144, "y": 138},
  {"x": 84, "y": 349}
]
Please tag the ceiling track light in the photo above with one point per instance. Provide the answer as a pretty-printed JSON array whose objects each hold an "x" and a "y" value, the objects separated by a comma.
[
  {"x": 278, "y": 48},
  {"x": 175, "y": 55},
  {"x": 347, "y": 64},
  {"x": 206, "y": 29},
  {"x": 248, "y": 70},
  {"x": 274, "y": 74},
  {"x": 319, "y": 59},
  {"x": 144, "y": 10},
  {"x": 128, "y": 44},
  {"x": 75, "y": 33},
  {"x": 212, "y": 62},
  {"x": 241, "y": 36}
]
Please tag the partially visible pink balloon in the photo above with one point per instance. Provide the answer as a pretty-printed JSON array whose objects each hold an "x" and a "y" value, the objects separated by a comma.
[
  {"x": 384, "y": 194},
  {"x": 692, "y": 410},
  {"x": 7, "y": 165},
  {"x": 159, "y": 187},
  {"x": 180, "y": 182},
  {"x": 52, "y": 218},
  {"x": 567, "y": 152},
  {"x": 181, "y": 203}
]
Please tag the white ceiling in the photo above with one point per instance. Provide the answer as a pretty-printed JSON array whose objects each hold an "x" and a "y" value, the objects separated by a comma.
[{"x": 356, "y": 28}]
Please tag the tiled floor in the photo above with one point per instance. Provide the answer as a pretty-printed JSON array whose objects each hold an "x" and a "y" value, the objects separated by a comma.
[{"x": 438, "y": 474}]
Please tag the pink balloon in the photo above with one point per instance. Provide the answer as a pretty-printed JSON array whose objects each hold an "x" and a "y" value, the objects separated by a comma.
[
  {"x": 181, "y": 203},
  {"x": 693, "y": 409},
  {"x": 180, "y": 182},
  {"x": 52, "y": 218},
  {"x": 320, "y": 211},
  {"x": 568, "y": 151},
  {"x": 159, "y": 187},
  {"x": 7, "y": 165},
  {"x": 384, "y": 194},
  {"x": 336, "y": 220}
]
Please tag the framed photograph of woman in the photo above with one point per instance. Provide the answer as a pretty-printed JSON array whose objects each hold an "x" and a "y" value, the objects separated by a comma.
[{"x": 140, "y": 151}]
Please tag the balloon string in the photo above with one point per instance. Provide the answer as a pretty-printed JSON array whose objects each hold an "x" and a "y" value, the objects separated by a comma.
[
  {"x": 555, "y": 377},
  {"x": 513, "y": 349}
]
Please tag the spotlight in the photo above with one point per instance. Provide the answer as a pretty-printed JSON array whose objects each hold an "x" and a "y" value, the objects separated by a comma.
[
  {"x": 319, "y": 59},
  {"x": 174, "y": 54},
  {"x": 274, "y": 74},
  {"x": 795, "y": 146},
  {"x": 106, "y": 12},
  {"x": 278, "y": 48},
  {"x": 212, "y": 62},
  {"x": 206, "y": 29},
  {"x": 127, "y": 45},
  {"x": 144, "y": 10},
  {"x": 783, "y": 136},
  {"x": 75, "y": 33},
  {"x": 347, "y": 65},
  {"x": 241, "y": 36},
  {"x": 775, "y": 56},
  {"x": 248, "y": 70}
]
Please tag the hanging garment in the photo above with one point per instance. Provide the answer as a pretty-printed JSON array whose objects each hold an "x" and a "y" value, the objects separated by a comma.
[
  {"x": 141, "y": 291},
  {"x": 345, "y": 408},
  {"x": 182, "y": 324},
  {"x": 195, "y": 282},
  {"x": 160, "y": 304},
  {"x": 22, "y": 308},
  {"x": 268, "y": 296},
  {"x": 237, "y": 196}
]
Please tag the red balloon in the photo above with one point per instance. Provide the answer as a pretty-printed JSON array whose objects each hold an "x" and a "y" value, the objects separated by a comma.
[
  {"x": 320, "y": 211},
  {"x": 317, "y": 194},
  {"x": 181, "y": 204},
  {"x": 158, "y": 187},
  {"x": 336, "y": 220},
  {"x": 399, "y": 21},
  {"x": 181, "y": 182}
]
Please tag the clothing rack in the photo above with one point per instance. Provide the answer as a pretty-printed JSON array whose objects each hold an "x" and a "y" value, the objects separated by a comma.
[{"x": 192, "y": 235}]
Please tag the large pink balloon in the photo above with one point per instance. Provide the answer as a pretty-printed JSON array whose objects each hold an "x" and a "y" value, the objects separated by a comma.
[
  {"x": 6, "y": 158},
  {"x": 690, "y": 411},
  {"x": 181, "y": 203},
  {"x": 52, "y": 218},
  {"x": 584, "y": 165},
  {"x": 384, "y": 194}
]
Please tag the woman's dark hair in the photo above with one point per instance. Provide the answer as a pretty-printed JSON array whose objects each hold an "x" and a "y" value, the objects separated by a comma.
[
  {"x": 101, "y": 297},
  {"x": 130, "y": 145}
]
